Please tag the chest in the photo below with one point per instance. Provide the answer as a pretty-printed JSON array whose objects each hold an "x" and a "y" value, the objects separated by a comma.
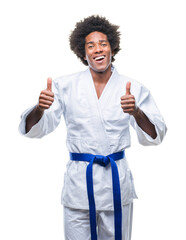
[
  {"x": 99, "y": 87},
  {"x": 94, "y": 108}
]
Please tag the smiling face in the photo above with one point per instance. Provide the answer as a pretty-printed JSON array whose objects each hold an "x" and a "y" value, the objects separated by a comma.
[{"x": 98, "y": 51}]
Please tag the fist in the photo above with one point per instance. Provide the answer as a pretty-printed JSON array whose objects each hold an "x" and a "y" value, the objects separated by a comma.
[
  {"x": 128, "y": 103},
  {"x": 46, "y": 97}
]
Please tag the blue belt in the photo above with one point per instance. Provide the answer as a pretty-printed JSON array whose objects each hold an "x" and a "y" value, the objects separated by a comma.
[{"x": 103, "y": 161}]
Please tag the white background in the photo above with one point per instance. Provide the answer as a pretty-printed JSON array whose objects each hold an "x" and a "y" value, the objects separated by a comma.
[{"x": 34, "y": 45}]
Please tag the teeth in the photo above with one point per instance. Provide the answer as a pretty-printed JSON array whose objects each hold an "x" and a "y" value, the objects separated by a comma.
[{"x": 100, "y": 57}]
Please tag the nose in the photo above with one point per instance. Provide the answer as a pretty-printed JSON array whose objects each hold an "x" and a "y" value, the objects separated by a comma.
[{"x": 98, "y": 48}]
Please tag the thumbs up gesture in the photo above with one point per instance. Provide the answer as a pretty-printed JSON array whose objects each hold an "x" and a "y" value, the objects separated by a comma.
[
  {"x": 46, "y": 97},
  {"x": 128, "y": 103}
]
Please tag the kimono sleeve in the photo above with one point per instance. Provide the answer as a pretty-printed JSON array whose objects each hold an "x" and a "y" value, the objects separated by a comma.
[
  {"x": 146, "y": 103},
  {"x": 50, "y": 119}
]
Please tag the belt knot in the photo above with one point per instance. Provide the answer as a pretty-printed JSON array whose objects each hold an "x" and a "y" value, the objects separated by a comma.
[{"x": 101, "y": 160}]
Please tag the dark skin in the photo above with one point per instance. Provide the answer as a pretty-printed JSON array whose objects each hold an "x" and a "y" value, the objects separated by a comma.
[
  {"x": 128, "y": 105},
  {"x": 98, "y": 55}
]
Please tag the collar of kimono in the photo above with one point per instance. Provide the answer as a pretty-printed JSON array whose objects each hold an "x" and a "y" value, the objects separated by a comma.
[{"x": 103, "y": 161}]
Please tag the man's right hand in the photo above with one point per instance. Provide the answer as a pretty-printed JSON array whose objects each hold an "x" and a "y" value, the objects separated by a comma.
[{"x": 46, "y": 97}]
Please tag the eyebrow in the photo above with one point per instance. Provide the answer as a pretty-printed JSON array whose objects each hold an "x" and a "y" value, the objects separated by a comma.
[{"x": 91, "y": 42}]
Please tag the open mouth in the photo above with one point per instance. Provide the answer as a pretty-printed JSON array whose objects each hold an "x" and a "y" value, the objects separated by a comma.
[{"x": 99, "y": 58}]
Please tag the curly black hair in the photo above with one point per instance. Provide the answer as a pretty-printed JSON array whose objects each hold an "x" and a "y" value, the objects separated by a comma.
[{"x": 91, "y": 24}]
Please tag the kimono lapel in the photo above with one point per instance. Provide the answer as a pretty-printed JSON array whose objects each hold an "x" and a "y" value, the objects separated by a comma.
[
  {"x": 107, "y": 91},
  {"x": 99, "y": 104}
]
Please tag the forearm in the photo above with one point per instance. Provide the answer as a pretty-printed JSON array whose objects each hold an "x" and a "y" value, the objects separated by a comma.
[
  {"x": 33, "y": 118},
  {"x": 144, "y": 123}
]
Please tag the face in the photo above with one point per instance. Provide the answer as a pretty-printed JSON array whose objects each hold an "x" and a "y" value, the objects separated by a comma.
[{"x": 98, "y": 51}]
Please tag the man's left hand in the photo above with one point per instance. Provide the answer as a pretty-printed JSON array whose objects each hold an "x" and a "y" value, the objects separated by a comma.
[{"x": 128, "y": 103}]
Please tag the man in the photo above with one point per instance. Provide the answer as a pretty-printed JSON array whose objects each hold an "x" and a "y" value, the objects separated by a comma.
[{"x": 98, "y": 105}]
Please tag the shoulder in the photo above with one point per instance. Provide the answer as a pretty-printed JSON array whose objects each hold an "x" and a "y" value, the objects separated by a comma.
[
  {"x": 134, "y": 82},
  {"x": 137, "y": 88},
  {"x": 66, "y": 81},
  {"x": 67, "y": 78}
]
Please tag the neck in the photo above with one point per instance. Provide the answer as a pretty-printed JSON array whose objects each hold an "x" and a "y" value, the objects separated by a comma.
[{"x": 101, "y": 77}]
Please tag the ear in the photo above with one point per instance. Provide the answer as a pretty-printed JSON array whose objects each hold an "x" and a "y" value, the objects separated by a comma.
[
  {"x": 113, "y": 53},
  {"x": 85, "y": 58}
]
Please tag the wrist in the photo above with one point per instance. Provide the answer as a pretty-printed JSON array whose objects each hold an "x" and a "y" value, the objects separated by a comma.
[
  {"x": 136, "y": 112},
  {"x": 39, "y": 109}
]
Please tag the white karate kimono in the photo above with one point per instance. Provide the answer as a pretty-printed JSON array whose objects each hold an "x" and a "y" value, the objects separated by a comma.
[{"x": 96, "y": 126}]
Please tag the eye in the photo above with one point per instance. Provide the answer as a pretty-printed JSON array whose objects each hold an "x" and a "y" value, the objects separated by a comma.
[
  {"x": 103, "y": 44},
  {"x": 90, "y": 46}
]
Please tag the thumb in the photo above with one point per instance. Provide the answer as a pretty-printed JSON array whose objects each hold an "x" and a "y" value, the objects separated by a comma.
[
  {"x": 128, "y": 85},
  {"x": 49, "y": 84}
]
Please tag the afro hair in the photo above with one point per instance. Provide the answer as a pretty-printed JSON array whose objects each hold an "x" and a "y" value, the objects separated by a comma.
[{"x": 89, "y": 25}]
